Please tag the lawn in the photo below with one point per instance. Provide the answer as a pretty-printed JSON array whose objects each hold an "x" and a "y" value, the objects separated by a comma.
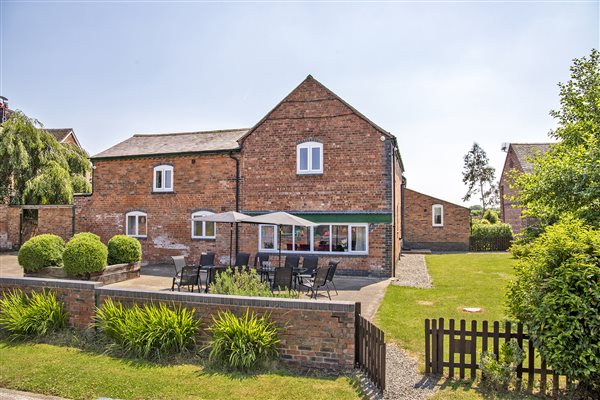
[
  {"x": 459, "y": 280},
  {"x": 73, "y": 373}
]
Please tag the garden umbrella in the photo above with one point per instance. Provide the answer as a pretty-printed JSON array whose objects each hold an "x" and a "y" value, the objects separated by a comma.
[
  {"x": 280, "y": 219},
  {"x": 230, "y": 217}
]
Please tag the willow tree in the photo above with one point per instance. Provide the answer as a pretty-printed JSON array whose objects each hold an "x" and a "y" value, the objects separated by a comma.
[{"x": 35, "y": 168}]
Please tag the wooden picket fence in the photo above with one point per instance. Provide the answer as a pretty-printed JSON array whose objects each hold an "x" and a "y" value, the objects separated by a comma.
[
  {"x": 370, "y": 350},
  {"x": 467, "y": 343},
  {"x": 489, "y": 244}
]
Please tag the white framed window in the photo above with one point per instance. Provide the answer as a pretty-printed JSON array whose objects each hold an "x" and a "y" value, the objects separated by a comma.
[
  {"x": 437, "y": 215},
  {"x": 136, "y": 224},
  {"x": 309, "y": 158},
  {"x": 326, "y": 238},
  {"x": 203, "y": 229},
  {"x": 163, "y": 178}
]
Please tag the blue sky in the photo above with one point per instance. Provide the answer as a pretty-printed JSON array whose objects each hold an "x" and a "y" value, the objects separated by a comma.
[{"x": 438, "y": 75}]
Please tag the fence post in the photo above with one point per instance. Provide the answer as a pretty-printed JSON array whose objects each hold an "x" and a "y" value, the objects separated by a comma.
[
  {"x": 473, "y": 349},
  {"x": 441, "y": 347},
  {"x": 357, "y": 333},
  {"x": 451, "y": 348},
  {"x": 434, "y": 347},
  {"x": 461, "y": 369},
  {"x": 427, "y": 349}
]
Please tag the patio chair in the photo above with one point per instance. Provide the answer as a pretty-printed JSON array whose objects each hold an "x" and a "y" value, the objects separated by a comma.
[
  {"x": 309, "y": 264},
  {"x": 207, "y": 259},
  {"x": 185, "y": 275},
  {"x": 242, "y": 261},
  {"x": 332, "y": 268},
  {"x": 282, "y": 280},
  {"x": 292, "y": 262},
  {"x": 319, "y": 281},
  {"x": 260, "y": 257},
  {"x": 212, "y": 275}
]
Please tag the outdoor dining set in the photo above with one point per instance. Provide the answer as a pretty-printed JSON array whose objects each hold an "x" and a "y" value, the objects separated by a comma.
[{"x": 291, "y": 276}]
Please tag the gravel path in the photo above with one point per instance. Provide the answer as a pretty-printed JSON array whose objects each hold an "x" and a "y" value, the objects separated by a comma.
[{"x": 411, "y": 271}]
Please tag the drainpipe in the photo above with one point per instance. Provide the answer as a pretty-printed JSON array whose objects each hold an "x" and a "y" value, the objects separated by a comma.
[
  {"x": 394, "y": 222},
  {"x": 237, "y": 198},
  {"x": 402, "y": 218}
]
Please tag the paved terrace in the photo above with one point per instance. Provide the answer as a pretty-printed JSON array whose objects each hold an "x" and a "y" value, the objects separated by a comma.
[{"x": 368, "y": 291}]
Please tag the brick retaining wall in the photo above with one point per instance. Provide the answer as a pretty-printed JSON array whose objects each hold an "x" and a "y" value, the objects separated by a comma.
[{"x": 313, "y": 334}]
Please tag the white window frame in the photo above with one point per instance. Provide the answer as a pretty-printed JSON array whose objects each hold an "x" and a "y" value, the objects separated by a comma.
[
  {"x": 350, "y": 251},
  {"x": 309, "y": 146},
  {"x": 433, "y": 208},
  {"x": 203, "y": 236},
  {"x": 163, "y": 169},
  {"x": 137, "y": 215}
]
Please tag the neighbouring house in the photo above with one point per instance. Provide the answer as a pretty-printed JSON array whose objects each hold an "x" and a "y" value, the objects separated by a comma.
[
  {"x": 65, "y": 136},
  {"x": 518, "y": 160},
  {"x": 434, "y": 224},
  {"x": 313, "y": 155}
]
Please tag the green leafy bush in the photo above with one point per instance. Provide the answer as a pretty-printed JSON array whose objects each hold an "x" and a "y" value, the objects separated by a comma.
[
  {"x": 487, "y": 230},
  {"x": 556, "y": 294},
  {"x": 87, "y": 235},
  {"x": 123, "y": 249},
  {"x": 84, "y": 254},
  {"x": 35, "y": 314},
  {"x": 41, "y": 251},
  {"x": 148, "y": 332},
  {"x": 499, "y": 373},
  {"x": 243, "y": 343},
  {"x": 245, "y": 284},
  {"x": 491, "y": 216}
]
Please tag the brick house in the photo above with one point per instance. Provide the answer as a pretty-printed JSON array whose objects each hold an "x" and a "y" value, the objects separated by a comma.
[
  {"x": 313, "y": 155},
  {"x": 518, "y": 160}
]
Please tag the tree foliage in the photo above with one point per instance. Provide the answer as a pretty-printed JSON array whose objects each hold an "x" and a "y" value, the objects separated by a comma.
[
  {"x": 566, "y": 179},
  {"x": 35, "y": 168},
  {"x": 479, "y": 177}
]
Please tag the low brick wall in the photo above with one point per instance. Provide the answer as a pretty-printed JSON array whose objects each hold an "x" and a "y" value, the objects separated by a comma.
[
  {"x": 313, "y": 334},
  {"x": 79, "y": 296}
]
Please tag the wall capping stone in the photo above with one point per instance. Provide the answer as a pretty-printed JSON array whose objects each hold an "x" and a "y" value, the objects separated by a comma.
[{"x": 51, "y": 283}]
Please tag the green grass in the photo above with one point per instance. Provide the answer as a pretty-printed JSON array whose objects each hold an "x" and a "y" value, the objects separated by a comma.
[
  {"x": 459, "y": 280},
  {"x": 76, "y": 374}
]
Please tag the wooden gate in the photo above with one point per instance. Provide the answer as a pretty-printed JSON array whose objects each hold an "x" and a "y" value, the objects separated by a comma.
[
  {"x": 458, "y": 347},
  {"x": 370, "y": 350}
]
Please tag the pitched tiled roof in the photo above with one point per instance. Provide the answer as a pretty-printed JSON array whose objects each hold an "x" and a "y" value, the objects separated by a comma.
[
  {"x": 525, "y": 151},
  {"x": 60, "y": 134},
  {"x": 175, "y": 143}
]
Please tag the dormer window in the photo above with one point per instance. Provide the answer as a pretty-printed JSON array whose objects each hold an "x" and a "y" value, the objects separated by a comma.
[
  {"x": 163, "y": 179},
  {"x": 309, "y": 158},
  {"x": 437, "y": 217}
]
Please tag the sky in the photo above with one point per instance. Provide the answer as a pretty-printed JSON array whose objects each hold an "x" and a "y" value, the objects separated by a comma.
[{"x": 438, "y": 75}]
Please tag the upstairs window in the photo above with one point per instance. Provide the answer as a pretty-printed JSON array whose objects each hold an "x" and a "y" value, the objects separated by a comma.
[
  {"x": 136, "y": 224},
  {"x": 309, "y": 156},
  {"x": 163, "y": 178},
  {"x": 203, "y": 229},
  {"x": 437, "y": 217}
]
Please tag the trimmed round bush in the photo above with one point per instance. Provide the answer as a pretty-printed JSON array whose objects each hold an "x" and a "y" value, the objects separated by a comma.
[
  {"x": 84, "y": 254},
  {"x": 88, "y": 235},
  {"x": 123, "y": 249},
  {"x": 41, "y": 251}
]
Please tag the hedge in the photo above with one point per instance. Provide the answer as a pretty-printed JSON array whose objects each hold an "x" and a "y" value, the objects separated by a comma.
[
  {"x": 41, "y": 251},
  {"x": 84, "y": 254},
  {"x": 123, "y": 249}
]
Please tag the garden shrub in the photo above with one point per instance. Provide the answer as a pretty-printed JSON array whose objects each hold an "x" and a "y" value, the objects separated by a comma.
[
  {"x": 556, "y": 294},
  {"x": 149, "y": 332},
  {"x": 243, "y": 343},
  {"x": 485, "y": 229},
  {"x": 41, "y": 251},
  {"x": 83, "y": 255},
  {"x": 123, "y": 249},
  {"x": 491, "y": 216},
  {"x": 245, "y": 284},
  {"x": 87, "y": 235},
  {"x": 35, "y": 314},
  {"x": 500, "y": 372}
]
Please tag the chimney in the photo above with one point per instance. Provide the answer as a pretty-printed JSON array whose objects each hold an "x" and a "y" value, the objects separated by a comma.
[{"x": 4, "y": 112}]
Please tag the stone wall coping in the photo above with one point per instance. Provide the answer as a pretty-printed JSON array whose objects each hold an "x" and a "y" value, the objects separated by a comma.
[
  {"x": 214, "y": 299},
  {"x": 52, "y": 283}
]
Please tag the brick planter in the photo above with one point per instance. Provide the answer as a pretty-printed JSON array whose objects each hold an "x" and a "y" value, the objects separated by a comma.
[{"x": 111, "y": 274}]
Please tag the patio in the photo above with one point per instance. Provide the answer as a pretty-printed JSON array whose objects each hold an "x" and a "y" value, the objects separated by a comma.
[{"x": 368, "y": 291}]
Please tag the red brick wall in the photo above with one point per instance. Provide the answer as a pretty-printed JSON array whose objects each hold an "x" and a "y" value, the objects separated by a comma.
[
  {"x": 201, "y": 182},
  {"x": 356, "y": 168},
  {"x": 509, "y": 214},
  {"x": 419, "y": 232},
  {"x": 313, "y": 334},
  {"x": 56, "y": 220},
  {"x": 5, "y": 240}
]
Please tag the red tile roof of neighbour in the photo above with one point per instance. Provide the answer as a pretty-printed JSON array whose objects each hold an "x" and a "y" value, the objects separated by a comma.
[
  {"x": 526, "y": 151},
  {"x": 175, "y": 143}
]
